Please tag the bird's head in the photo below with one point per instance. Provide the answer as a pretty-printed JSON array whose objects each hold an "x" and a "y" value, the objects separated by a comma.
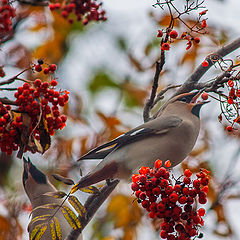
[
  {"x": 34, "y": 181},
  {"x": 187, "y": 100}
]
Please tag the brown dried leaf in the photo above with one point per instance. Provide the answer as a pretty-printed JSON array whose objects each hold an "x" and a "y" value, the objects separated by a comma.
[{"x": 135, "y": 63}]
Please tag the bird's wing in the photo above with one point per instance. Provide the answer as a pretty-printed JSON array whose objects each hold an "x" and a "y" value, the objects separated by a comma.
[{"x": 152, "y": 128}]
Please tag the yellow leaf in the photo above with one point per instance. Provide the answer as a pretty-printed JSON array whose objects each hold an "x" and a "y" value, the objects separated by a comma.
[
  {"x": 77, "y": 205},
  {"x": 38, "y": 231},
  {"x": 55, "y": 229},
  {"x": 40, "y": 218},
  {"x": 71, "y": 218},
  {"x": 47, "y": 206},
  {"x": 58, "y": 194},
  {"x": 90, "y": 189},
  {"x": 124, "y": 210}
]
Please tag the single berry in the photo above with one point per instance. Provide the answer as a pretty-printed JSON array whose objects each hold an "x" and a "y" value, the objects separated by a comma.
[
  {"x": 204, "y": 96},
  {"x": 173, "y": 34},
  {"x": 205, "y": 63},
  {"x": 160, "y": 33}
]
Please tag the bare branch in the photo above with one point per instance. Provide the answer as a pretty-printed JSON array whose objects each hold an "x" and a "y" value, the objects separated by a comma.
[
  {"x": 149, "y": 104},
  {"x": 191, "y": 82}
]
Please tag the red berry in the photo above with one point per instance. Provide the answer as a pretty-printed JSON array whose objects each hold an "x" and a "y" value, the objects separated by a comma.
[
  {"x": 37, "y": 82},
  {"x": 165, "y": 47},
  {"x": 230, "y": 100},
  {"x": 197, "y": 40},
  {"x": 201, "y": 212},
  {"x": 134, "y": 186},
  {"x": 46, "y": 70},
  {"x": 45, "y": 85},
  {"x": 229, "y": 128},
  {"x": 173, "y": 34},
  {"x": 187, "y": 173},
  {"x": 163, "y": 234},
  {"x": 205, "y": 63},
  {"x": 158, "y": 163},
  {"x": 204, "y": 96},
  {"x": 168, "y": 164},
  {"x": 160, "y": 33},
  {"x": 204, "y": 23},
  {"x": 54, "y": 83},
  {"x": 173, "y": 197},
  {"x": 182, "y": 200},
  {"x": 38, "y": 68},
  {"x": 187, "y": 180},
  {"x": 177, "y": 188},
  {"x": 145, "y": 204},
  {"x": 142, "y": 196},
  {"x": 26, "y": 85},
  {"x": 52, "y": 67},
  {"x": 156, "y": 191},
  {"x": 230, "y": 83}
]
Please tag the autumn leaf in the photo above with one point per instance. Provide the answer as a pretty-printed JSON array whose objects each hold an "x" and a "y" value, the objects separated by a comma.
[
  {"x": 58, "y": 194},
  {"x": 71, "y": 217},
  {"x": 77, "y": 205}
]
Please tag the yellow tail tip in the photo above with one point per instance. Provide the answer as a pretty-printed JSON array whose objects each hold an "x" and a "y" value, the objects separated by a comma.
[{"x": 74, "y": 188}]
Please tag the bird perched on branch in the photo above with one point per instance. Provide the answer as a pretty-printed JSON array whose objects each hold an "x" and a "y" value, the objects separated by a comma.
[
  {"x": 170, "y": 136},
  {"x": 36, "y": 185}
]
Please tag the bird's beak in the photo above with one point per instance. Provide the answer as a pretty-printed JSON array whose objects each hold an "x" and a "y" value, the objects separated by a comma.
[{"x": 194, "y": 99}]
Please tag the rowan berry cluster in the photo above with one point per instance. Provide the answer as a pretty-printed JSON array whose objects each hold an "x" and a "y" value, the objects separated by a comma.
[
  {"x": 230, "y": 105},
  {"x": 40, "y": 102},
  {"x": 8, "y": 130},
  {"x": 85, "y": 11},
  {"x": 7, "y": 12},
  {"x": 174, "y": 203},
  {"x": 173, "y": 34}
]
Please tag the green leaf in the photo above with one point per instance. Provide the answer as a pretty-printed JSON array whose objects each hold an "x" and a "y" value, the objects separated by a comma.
[
  {"x": 38, "y": 231},
  {"x": 77, "y": 205},
  {"x": 100, "y": 81},
  {"x": 71, "y": 218}
]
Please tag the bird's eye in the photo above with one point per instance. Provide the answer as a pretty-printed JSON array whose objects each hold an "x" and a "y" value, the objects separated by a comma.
[{"x": 184, "y": 99}]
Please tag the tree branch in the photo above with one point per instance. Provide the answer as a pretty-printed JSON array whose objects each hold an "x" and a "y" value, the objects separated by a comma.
[
  {"x": 191, "y": 82},
  {"x": 150, "y": 102},
  {"x": 92, "y": 205}
]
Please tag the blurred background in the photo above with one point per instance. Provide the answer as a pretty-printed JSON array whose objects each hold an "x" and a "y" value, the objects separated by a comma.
[{"x": 108, "y": 69}]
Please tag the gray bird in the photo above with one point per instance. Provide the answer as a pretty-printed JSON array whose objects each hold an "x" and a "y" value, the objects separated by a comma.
[
  {"x": 170, "y": 136},
  {"x": 36, "y": 185}
]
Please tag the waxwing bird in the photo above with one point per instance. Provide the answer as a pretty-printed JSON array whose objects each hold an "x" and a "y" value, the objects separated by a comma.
[
  {"x": 170, "y": 136},
  {"x": 36, "y": 185}
]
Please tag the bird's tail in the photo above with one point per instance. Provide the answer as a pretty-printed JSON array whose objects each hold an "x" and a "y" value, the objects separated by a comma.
[{"x": 107, "y": 172}]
